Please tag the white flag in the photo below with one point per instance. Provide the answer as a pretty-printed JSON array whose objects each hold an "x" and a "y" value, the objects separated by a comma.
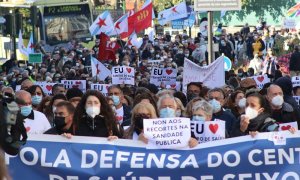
[
  {"x": 103, "y": 23},
  {"x": 133, "y": 41},
  {"x": 177, "y": 12},
  {"x": 30, "y": 46},
  {"x": 99, "y": 70},
  {"x": 21, "y": 46}
]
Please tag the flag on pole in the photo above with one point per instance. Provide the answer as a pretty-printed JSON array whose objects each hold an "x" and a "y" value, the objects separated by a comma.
[
  {"x": 103, "y": 23},
  {"x": 107, "y": 49},
  {"x": 294, "y": 11},
  {"x": 21, "y": 46},
  {"x": 133, "y": 41},
  {"x": 140, "y": 20},
  {"x": 147, "y": 2},
  {"x": 30, "y": 46},
  {"x": 99, "y": 70},
  {"x": 121, "y": 26},
  {"x": 177, "y": 12}
]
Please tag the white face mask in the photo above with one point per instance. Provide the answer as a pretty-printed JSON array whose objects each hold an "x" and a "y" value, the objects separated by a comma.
[
  {"x": 277, "y": 101},
  {"x": 251, "y": 113},
  {"x": 92, "y": 111},
  {"x": 242, "y": 103}
]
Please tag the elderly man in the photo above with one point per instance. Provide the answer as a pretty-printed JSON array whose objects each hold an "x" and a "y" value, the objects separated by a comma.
[
  {"x": 35, "y": 122},
  {"x": 217, "y": 100},
  {"x": 167, "y": 106},
  {"x": 281, "y": 111}
]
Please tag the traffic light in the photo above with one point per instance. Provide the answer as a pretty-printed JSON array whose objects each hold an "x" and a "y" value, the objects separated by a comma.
[
  {"x": 19, "y": 22},
  {"x": 8, "y": 29}
]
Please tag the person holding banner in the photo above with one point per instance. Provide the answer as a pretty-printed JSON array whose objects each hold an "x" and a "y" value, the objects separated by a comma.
[
  {"x": 140, "y": 112},
  {"x": 256, "y": 118},
  {"x": 95, "y": 117}
]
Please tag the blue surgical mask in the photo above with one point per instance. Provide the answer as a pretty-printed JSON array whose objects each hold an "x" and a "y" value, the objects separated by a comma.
[
  {"x": 198, "y": 118},
  {"x": 116, "y": 100},
  {"x": 36, "y": 100},
  {"x": 167, "y": 113},
  {"x": 216, "y": 105},
  {"x": 26, "y": 110}
]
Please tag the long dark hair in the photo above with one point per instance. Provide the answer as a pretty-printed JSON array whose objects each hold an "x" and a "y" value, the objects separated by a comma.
[
  {"x": 262, "y": 101},
  {"x": 105, "y": 111},
  {"x": 33, "y": 88}
]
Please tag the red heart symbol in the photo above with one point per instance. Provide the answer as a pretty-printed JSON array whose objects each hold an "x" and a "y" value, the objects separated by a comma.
[
  {"x": 75, "y": 86},
  {"x": 27, "y": 129},
  {"x": 284, "y": 128},
  {"x": 213, "y": 128},
  {"x": 128, "y": 70},
  {"x": 49, "y": 87},
  {"x": 169, "y": 71},
  {"x": 260, "y": 78},
  {"x": 78, "y": 82},
  {"x": 119, "y": 118},
  {"x": 173, "y": 85}
]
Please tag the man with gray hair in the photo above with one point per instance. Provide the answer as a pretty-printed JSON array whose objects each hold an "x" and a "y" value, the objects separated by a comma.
[
  {"x": 35, "y": 122},
  {"x": 202, "y": 111},
  {"x": 167, "y": 106}
]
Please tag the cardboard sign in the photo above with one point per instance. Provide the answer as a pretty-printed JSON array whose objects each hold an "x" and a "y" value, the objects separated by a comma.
[
  {"x": 288, "y": 126},
  {"x": 261, "y": 80},
  {"x": 167, "y": 133},
  {"x": 47, "y": 87},
  {"x": 208, "y": 131},
  {"x": 296, "y": 81},
  {"x": 122, "y": 75},
  {"x": 80, "y": 84},
  {"x": 164, "y": 76},
  {"x": 103, "y": 88}
]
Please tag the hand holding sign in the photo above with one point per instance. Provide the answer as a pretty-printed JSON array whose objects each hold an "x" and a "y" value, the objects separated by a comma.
[{"x": 208, "y": 131}]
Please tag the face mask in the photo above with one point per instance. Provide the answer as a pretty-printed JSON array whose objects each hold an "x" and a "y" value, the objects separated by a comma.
[
  {"x": 187, "y": 55},
  {"x": 36, "y": 100},
  {"x": 152, "y": 51},
  {"x": 161, "y": 66},
  {"x": 59, "y": 122},
  {"x": 199, "y": 118},
  {"x": 116, "y": 100},
  {"x": 178, "y": 113},
  {"x": 277, "y": 101},
  {"x": 139, "y": 121},
  {"x": 191, "y": 96},
  {"x": 149, "y": 68},
  {"x": 180, "y": 52},
  {"x": 240, "y": 74},
  {"x": 216, "y": 105},
  {"x": 167, "y": 113},
  {"x": 242, "y": 103},
  {"x": 26, "y": 110},
  {"x": 92, "y": 111},
  {"x": 157, "y": 56},
  {"x": 251, "y": 113}
]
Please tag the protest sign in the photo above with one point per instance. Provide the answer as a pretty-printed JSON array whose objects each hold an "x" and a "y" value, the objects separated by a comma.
[
  {"x": 289, "y": 23},
  {"x": 296, "y": 81},
  {"x": 261, "y": 80},
  {"x": 288, "y": 126},
  {"x": 56, "y": 158},
  {"x": 208, "y": 131},
  {"x": 47, "y": 87},
  {"x": 154, "y": 62},
  {"x": 211, "y": 76},
  {"x": 164, "y": 76},
  {"x": 167, "y": 133},
  {"x": 103, "y": 88},
  {"x": 297, "y": 99},
  {"x": 80, "y": 84},
  {"x": 123, "y": 75}
]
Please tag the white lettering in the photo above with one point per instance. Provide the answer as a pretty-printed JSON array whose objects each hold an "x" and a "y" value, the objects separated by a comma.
[
  {"x": 105, "y": 157},
  {"x": 35, "y": 156},
  {"x": 93, "y": 156},
  {"x": 237, "y": 158},
  {"x": 251, "y": 160},
  {"x": 62, "y": 158},
  {"x": 137, "y": 160},
  {"x": 269, "y": 156},
  {"x": 214, "y": 159},
  {"x": 43, "y": 159},
  {"x": 120, "y": 157}
]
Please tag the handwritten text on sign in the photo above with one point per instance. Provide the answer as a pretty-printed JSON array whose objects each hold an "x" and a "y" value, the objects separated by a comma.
[
  {"x": 208, "y": 131},
  {"x": 123, "y": 75},
  {"x": 167, "y": 133},
  {"x": 80, "y": 84},
  {"x": 164, "y": 76}
]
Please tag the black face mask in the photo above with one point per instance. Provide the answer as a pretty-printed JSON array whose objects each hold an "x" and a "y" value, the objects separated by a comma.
[
  {"x": 139, "y": 126},
  {"x": 59, "y": 122},
  {"x": 191, "y": 96}
]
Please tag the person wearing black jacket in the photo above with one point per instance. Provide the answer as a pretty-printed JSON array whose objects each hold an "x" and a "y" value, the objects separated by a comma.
[
  {"x": 295, "y": 62},
  {"x": 63, "y": 119},
  {"x": 95, "y": 117}
]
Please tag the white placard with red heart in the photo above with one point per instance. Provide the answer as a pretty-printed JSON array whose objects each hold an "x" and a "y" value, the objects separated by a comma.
[
  {"x": 287, "y": 126},
  {"x": 122, "y": 75},
  {"x": 297, "y": 99},
  {"x": 208, "y": 131},
  {"x": 261, "y": 80},
  {"x": 47, "y": 87},
  {"x": 166, "y": 76},
  {"x": 167, "y": 133},
  {"x": 296, "y": 81},
  {"x": 103, "y": 88},
  {"x": 80, "y": 84}
]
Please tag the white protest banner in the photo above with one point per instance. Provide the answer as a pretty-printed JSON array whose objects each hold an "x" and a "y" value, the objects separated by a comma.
[
  {"x": 289, "y": 23},
  {"x": 80, "y": 84},
  {"x": 297, "y": 99},
  {"x": 123, "y": 75},
  {"x": 261, "y": 80},
  {"x": 211, "y": 76},
  {"x": 296, "y": 81},
  {"x": 288, "y": 126},
  {"x": 167, "y": 133},
  {"x": 103, "y": 88},
  {"x": 164, "y": 76},
  {"x": 154, "y": 62},
  {"x": 47, "y": 87},
  {"x": 208, "y": 131}
]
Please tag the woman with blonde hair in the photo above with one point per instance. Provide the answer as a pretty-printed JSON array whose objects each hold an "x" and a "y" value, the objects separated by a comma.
[
  {"x": 140, "y": 112},
  {"x": 180, "y": 108}
]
